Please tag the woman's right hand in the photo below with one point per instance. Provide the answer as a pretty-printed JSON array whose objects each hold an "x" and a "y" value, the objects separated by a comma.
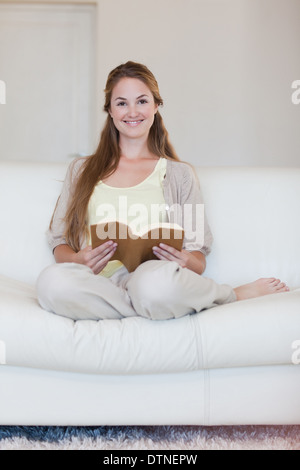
[{"x": 96, "y": 259}]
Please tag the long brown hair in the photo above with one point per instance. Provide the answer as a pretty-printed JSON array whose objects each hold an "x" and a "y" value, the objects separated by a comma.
[{"x": 106, "y": 158}]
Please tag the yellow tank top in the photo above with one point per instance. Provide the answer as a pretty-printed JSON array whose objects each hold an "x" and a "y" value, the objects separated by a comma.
[{"x": 137, "y": 206}]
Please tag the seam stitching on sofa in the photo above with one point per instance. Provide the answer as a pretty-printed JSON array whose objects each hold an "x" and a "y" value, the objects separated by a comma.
[
  {"x": 201, "y": 347},
  {"x": 198, "y": 340},
  {"x": 206, "y": 400}
]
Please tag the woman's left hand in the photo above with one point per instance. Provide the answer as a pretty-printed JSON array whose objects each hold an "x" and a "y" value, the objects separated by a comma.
[{"x": 195, "y": 261}]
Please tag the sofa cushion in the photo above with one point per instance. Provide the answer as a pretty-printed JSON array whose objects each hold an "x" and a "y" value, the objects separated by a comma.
[
  {"x": 247, "y": 333},
  {"x": 253, "y": 217},
  {"x": 28, "y": 194}
]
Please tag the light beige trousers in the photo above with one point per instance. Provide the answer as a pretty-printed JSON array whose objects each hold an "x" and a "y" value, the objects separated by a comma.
[{"x": 157, "y": 289}]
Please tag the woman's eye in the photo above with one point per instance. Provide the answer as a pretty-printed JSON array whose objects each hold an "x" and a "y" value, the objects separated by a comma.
[{"x": 123, "y": 103}]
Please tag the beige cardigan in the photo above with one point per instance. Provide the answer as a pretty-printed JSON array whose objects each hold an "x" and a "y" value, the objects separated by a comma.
[{"x": 183, "y": 198}]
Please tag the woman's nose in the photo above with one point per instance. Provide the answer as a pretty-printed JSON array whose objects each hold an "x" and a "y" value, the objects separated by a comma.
[{"x": 132, "y": 111}]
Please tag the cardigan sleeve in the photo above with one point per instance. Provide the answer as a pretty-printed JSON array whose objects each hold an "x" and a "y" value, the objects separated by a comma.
[
  {"x": 184, "y": 198},
  {"x": 198, "y": 235},
  {"x": 56, "y": 233}
]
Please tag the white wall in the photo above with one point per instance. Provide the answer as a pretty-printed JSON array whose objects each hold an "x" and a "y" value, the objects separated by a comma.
[
  {"x": 47, "y": 61},
  {"x": 225, "y": 70}
]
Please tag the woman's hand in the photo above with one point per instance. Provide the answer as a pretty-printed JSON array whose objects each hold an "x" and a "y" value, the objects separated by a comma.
[
  {"x": 195, "y": 260},
  {"x": 96, "y": 258}
]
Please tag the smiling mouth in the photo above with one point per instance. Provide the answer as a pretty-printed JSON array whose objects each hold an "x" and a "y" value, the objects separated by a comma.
[{"x": 133, "y": 123}]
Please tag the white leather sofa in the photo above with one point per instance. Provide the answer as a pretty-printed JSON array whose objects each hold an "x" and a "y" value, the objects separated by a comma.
[{"x": 233, "y": 364}]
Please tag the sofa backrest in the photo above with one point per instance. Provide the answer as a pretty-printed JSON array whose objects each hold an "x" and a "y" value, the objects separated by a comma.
[
  {"x": 253, "y": 214},
  {"x": 28, "y": 194}
]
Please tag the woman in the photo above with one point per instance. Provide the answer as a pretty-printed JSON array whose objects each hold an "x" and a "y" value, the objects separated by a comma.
[{"x": 136, "y": 161}]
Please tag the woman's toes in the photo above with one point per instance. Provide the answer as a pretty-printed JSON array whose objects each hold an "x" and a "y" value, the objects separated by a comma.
[{"x": 263, "y": 286}]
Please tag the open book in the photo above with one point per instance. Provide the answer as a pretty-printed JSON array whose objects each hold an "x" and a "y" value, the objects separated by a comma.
[{"x": 133, "y": 249}]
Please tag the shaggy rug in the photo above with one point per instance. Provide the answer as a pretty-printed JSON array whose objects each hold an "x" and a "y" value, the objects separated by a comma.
[{"x": 181, "y": 438}]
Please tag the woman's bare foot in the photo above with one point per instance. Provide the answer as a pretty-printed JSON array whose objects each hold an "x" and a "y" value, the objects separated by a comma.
[{"x": 260, "y": 287}]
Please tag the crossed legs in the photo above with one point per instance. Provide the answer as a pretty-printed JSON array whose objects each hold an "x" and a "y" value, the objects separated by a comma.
[{"x": 158, "y": 290}]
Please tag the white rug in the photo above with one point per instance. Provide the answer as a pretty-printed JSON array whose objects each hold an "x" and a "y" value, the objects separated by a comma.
[{"x": 152, "y": 438}]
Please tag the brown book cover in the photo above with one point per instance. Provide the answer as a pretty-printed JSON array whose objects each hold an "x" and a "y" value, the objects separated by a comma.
[{"x": 134, "y": 249}]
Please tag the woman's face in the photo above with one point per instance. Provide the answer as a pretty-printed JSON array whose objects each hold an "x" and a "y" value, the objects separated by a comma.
[{"x": 132, "y": 108}]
